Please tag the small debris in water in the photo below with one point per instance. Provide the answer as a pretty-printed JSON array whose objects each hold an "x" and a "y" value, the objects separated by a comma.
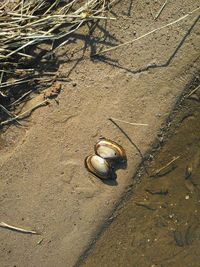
[
  {"x": 145, "y": 205},
  {"x": 188, "y": 171},
  {"x": 179, "y": 239},
  {"x": 190, "y": 186},
  {"x": 166, "y": 168},
  {"x": 162, "y": 191}
]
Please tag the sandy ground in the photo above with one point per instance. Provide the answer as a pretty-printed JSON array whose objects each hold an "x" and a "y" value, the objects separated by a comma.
[
  {"x": 158, "y": 225},
  {"x": 44, "y": 184}
]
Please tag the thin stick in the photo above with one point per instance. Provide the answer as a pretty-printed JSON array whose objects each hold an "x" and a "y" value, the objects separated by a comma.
[
  {"x": 146, "y": 34},
  {"x": 5, "y": 4},
  {"x": 3, "y": 85},
  {"x": 167, "y": 165},
  {"x": 20, "y": 48},
  {"x": 10, "y": 227},
  {"x": 9, "y": 114},
  {"x": 17, "y": 101},
  {"x": 131, "y": 123},
  {"x": 144, "y": 204},
  {"x": 160, "y": 11},
  {"x": 193, "y": 91},
  {"x": 136, "y": 147},
  {"x": 22, "y": 6},
  {"x": 1, "y": 77},
  {"x": 2, "y": 94},
  {"x": 21, "y": 116},
  {"x": 6, "y": 111}
]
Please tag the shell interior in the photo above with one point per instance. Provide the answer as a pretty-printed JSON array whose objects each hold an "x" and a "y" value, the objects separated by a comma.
[
  {"x": 109, "y": 149},
  {"x": 99, "y": 166},
  {"x": 106, "y": 152}
]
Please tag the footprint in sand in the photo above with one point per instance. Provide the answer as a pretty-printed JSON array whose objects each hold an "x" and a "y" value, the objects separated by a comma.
[
  {"x": 73, "y": 173},
  {"x": 70, "y": 170}
]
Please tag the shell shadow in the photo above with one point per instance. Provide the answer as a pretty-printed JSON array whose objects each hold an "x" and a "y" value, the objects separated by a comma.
[
  {"x": 118, "y": 164},
  {"x": 112, "y": 181}
]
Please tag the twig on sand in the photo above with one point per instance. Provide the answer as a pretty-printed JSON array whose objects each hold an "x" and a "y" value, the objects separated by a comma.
[
  {"x": 160, "y": 10},
  {"x": 146, "y": 34},
  {"x": 40, "y": 241},
  {"x": 6, "y": 111},
  {"x": 17, "y": 229},
  {"x": 18, "y": 100},
  {"x": 131, "y": 123},
  {"x": 9, "y": 113},
  {"x": 137, "y": 148},
  {"x": 193, "y": 91},
  {"x": 167, "y": 165},
  {"x": 23, "y": 114}
]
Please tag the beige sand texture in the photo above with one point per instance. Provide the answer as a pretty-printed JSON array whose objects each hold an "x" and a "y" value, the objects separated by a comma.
[{"x": 43, "y": 182}]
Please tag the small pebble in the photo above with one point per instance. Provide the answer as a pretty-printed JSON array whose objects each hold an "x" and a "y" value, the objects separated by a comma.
[{"x": 187, "y": 197}]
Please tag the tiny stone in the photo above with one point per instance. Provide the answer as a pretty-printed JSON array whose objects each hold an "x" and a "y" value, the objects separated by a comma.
[{"x": 187, "y": 197}]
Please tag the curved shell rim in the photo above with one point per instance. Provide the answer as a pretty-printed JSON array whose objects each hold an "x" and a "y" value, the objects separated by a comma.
[
  {"x": 115, "y": 144},
  {"x": 109, "y": 176}
]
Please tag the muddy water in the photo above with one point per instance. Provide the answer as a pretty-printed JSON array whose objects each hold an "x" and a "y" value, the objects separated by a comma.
[{"x": 159, "y": 226}]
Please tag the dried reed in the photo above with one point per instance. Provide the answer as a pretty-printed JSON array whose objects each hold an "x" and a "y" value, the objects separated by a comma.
[{"x": 28, "y": 23}]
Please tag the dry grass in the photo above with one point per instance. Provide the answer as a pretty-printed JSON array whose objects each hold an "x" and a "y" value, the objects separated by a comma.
[{"x": 25, "y": 24}]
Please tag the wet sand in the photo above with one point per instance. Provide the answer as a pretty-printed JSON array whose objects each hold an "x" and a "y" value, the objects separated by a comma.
[
  {"x": 159, "y": 224},
  {"x": 44, "y": 185}
]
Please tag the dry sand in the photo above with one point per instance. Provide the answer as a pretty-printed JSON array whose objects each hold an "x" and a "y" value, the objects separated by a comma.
[{"x": 44, "y": 184}]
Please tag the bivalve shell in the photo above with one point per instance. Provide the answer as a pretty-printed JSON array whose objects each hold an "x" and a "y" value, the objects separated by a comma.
[
  {"x": 109, "y": 149},
  {"x": 99, "y": 167}
]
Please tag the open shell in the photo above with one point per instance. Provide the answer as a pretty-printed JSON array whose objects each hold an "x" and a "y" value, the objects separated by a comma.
[
  {"x": 109, "y": 149},
  {"x": 99, "y": 167}
]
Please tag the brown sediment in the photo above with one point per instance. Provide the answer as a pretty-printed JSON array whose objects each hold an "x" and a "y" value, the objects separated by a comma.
[{"x": 162, "y": 229}]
